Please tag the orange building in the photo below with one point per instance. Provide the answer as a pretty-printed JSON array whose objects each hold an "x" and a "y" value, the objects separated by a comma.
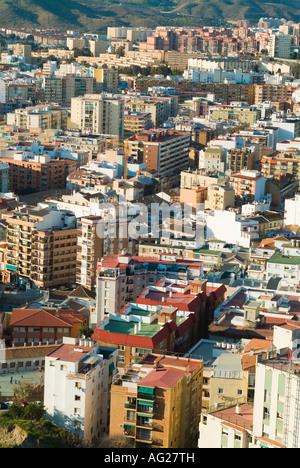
[
  {"x": 40, "y": 172},
  {"x": 44, "y": 326}
]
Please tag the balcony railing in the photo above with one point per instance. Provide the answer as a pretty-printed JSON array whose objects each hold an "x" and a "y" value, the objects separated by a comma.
[{"x": 146, "y": 396}]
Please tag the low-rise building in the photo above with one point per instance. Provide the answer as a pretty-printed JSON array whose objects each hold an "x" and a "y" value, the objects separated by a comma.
[{"x": 31, "y": 327}]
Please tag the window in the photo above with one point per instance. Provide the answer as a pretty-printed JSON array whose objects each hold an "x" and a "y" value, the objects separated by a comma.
[
  {"x": 77, "y": 398},
  {"x": 220, "y": 391}
]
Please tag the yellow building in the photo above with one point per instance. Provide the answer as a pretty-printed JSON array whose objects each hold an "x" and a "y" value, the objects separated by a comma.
[
  {"x": 219, "y": 197},
  {"x": 109, "y": 77},
  {"x": 23, "y": 50},
  {"x": 157, "y": 403},
  {"x": 242, "y": 114}
]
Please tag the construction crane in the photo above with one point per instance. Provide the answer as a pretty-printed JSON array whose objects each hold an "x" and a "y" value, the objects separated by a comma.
[{"x": 126, "y": 153}]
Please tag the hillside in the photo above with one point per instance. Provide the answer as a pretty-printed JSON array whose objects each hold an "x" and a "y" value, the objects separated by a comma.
[{"x": 96, "y": 15}]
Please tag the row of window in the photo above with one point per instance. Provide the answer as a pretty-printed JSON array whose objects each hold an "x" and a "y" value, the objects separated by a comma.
[{"x": 41, "y": 329}]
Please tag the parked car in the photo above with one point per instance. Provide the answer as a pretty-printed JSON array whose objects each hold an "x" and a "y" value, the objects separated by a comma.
[{"x": 3, "y": 405}]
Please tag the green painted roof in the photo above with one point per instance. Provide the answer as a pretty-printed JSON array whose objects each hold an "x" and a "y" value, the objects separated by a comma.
[
  {"x": 127, "y": 328},
  {"x": 206, "y": 252},
  {"x": 140, "y": 312},
  {"x": 290, "y": 260}
]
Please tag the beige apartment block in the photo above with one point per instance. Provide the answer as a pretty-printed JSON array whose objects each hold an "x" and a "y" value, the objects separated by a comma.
[
  {"x": 97, "y": 47},
  {"x": 39, "y": 117},
  {"x": 23, "y": 50},
  {"x": 219, "y": 197},
  {"x": 41, "y": 246},
  {"x": 97, "y": 114}
]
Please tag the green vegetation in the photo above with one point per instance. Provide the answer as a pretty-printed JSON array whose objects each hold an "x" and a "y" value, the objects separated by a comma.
[
  {"x": 96, "y": 15},
  {"x": 134, "y": 70},
  {"x": 25, "y": 426}
]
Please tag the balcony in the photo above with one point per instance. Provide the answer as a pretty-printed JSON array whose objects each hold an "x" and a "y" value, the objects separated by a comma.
[
  {"x": 145, "y": 409},
  {"x": 146, "y": 396},
  {"x": 144, "y": 422},
  {"x": 144, "y": 435},
  {"x": 129, "y": 430},
  {"x": 130, "y": 405}
]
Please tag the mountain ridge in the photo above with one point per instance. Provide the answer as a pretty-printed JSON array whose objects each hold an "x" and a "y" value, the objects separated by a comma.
[{"x": 96, "y": 15}]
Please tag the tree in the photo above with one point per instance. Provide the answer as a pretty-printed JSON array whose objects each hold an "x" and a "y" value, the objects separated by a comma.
[
  {"x": 23, "y": 392},
  {"x": 33, "y": 411},
  {"x": 85, "y": 52},
  {"x": 86, "y": 331},
  {"x": 116, "y": 441},
  {"x": 120, "y": 51}
]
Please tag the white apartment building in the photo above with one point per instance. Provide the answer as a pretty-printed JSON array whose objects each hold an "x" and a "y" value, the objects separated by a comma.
[
  {"x": 277, "y": 404},
  {"x": 98, "y": 114},
  {"x": 78, "y": 376},
  {"x": 292, "y": 211},
  {"x": 289, "y": 126},
  {"x": 281, "y": 45},
  {"x": 212, "y": 159},
  {"x": 227, "y": 428},
  {"x": 231, "y": 228},
  {"x": 286, "y": 267},
  {"x": 39, "y": 117}
]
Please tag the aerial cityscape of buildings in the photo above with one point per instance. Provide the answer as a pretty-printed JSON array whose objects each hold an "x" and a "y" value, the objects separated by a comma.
[{"x": 150, "y": 232}]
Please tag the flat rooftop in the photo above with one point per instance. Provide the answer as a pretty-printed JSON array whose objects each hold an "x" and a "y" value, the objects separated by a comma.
[{"x": 128, "y": 328}]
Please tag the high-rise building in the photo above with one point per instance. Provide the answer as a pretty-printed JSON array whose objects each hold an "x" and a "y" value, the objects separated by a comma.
[
  {"x": 92, "y": 246},
  {"x": 39, "y": 117},
  {"x": 41, "y": 246},
  {"x": 74, "y": 86},
  {"x": 109, "y": 77},
  {"x": 281, "y": 46},
  {"x": 276, "y": 403},
  {"x": 4, "y": 177},
  {"x": 37, "y": 172},
  {"x": 97, "y": 47},
  {"x": 122, "y": 278},
  {"x": 157, "y": 403},
  {"x": 23, "y": 50},
  {"x": 98, "y": 114},
  {"x": 163, "y": 151}
]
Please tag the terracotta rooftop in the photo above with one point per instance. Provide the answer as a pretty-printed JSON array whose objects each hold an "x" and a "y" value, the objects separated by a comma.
[
  {"x": 70, "y": 353},
  {"x": 242, "y": 420}
]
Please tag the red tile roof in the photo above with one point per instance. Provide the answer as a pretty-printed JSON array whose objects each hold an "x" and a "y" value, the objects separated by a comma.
[
  {"x": 70, "y": 353},
  {"x": 36, "y": 318},
  {"x": 163, "y": 377},
  {"x": 45, "y": 317}
]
